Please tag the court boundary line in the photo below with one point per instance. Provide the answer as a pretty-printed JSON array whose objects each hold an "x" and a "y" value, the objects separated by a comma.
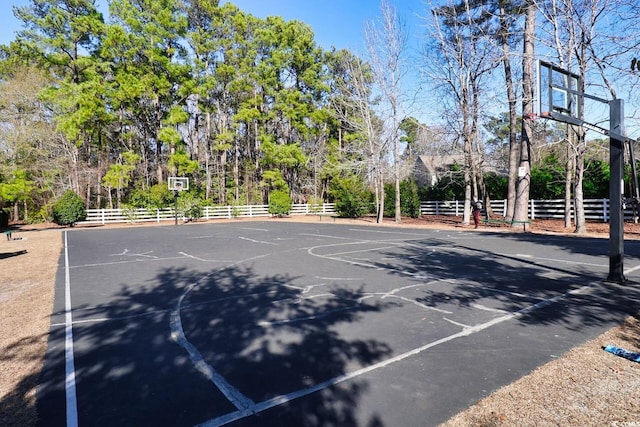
[
  {"x": 69, "y": 364},
  {"x": 249, "y": 407}
]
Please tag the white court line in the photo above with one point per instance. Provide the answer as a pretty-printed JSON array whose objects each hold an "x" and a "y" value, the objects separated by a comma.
[
  {"x": 329, "y": 237},
  {"x": 142, "y": 254},
  {"x": 240, "y": 401},
  {"x": 257, "y": 241},
  {"x": 266, "y": 324},
  {"x": 631, "y": 270},
  {"x": 100, "y": 264},
  {"x": 69, "y": 366},
  {"x": 159, "y": 311},
  {"x": 285, "y": 398},
  {"x": 515, "y": 294},
  {"x": 562, "y": 261},
  {"x": 392, "y": 294},
  {"x": 234, "y": 395},
  {"x": 462, "y": 325},
  {"x": 202, "y": 259},
  {"x": 490, "y": 309}
]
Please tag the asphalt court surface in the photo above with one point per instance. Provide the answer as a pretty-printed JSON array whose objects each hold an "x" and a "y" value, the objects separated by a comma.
[{"x": 270, "y": 323}]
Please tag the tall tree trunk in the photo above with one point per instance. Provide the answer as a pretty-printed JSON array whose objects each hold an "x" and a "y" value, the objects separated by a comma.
[
  {"x": 523, "y": 187},
  {"x": 581, "y": 145},
  {"x": 580, "y": 218},
  {"x": 222, "y": 176},
  {"x": 466, "y": 215},
  {"x": 236, "y": 170},
  {"x": 568, "y": 182},
  {"x": 513, "y": 117},
  {"x": 396, "y": 173},
  {"x": 380, "y": 212},
  {"x": 158, "y": 127}
]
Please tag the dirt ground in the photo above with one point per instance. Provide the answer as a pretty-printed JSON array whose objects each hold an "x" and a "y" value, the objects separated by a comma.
[{"x": 584, "y": 387}]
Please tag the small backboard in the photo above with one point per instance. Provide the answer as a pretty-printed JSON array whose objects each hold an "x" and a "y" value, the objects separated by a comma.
[
  {"x": 178, "y": 183},
  {"x": 558, "y": 94}
]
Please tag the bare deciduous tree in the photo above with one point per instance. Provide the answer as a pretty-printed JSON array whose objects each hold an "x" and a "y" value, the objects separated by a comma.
[
  {"x": 366, "y": 154},
  {"x": 459, "y": 62},
  {"x": 387, "y": 46}
]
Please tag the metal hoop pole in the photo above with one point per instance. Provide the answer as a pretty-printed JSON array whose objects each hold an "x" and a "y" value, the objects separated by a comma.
[{"x": 616, "y": 222}]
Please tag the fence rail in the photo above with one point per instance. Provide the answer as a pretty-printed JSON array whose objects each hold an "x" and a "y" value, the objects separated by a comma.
[
  {"x": 104, "y": 216},
  {"x": 595, "y": 209}
]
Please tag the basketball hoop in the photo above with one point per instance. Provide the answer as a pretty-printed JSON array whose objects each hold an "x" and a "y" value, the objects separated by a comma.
[
  {"x": 178, "y": 183},
  {"x": 560, "y": 95}
]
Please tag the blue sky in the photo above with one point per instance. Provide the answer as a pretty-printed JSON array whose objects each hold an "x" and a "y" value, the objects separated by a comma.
[{"x": 338, "y": 23}]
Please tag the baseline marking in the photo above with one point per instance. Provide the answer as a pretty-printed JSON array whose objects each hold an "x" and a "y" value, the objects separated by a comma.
[{"x": 69, "y": 366}]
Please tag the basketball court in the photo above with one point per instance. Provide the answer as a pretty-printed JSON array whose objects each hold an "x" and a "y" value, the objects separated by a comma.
[{"x": 271, "y": 323}]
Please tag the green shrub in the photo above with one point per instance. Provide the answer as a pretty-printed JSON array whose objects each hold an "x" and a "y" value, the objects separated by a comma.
[
  {"x": 409, "y": 199},
  {"x": 190, "y": 206},
  {"x": 235, "y": 210},
  {"x": 156, "y": 197},
  {"x": 44, "y": 214},
  {"x": 130, "y": 212},
  {"x": 352, "y": 197},
  {"x": 279, "y": 202},
  {"x": 69, "y": 209},
  {"x": 315, "y": 204}
]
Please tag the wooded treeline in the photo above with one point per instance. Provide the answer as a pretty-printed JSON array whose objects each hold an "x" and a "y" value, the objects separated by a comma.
[{"x": 111, "y": 107}]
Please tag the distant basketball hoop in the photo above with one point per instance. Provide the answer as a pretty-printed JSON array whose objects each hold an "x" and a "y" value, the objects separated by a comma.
[{"x": 178, "y": 183}]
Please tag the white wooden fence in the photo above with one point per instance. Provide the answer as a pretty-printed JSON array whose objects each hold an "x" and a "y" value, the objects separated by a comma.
[
  {"x": 595, "y": 209},
  {"x": 104, "y": 216}
]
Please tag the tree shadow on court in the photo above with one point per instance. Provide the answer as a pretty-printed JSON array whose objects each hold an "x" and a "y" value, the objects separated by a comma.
[
  {"x": 264, "y": 336},
  {"x": 509, "y": 283}
]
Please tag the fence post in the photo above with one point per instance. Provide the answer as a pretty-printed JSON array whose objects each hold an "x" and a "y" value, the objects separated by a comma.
[
  {"x": 504, "y": 207},
  {"x": 437, "y": 207},
  {"x": 102, "y": 215},
  {"x": 605, "y": 210},
  {"x": 533, "y": 209}
]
